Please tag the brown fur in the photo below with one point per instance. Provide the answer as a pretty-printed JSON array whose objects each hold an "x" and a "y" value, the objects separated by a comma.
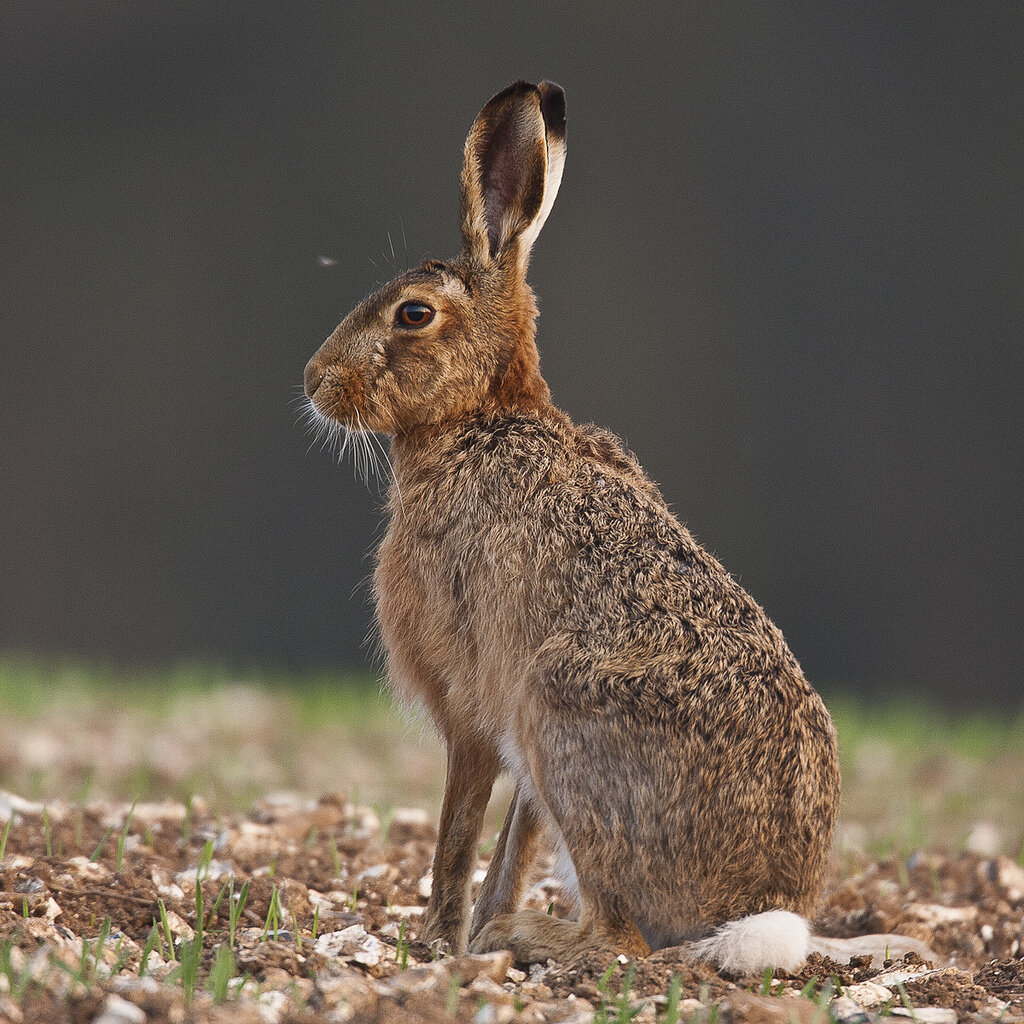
[{"x": 536, "y": 595}]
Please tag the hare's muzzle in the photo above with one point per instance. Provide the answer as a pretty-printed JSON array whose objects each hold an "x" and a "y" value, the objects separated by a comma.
[{"x": 314, "y": 376}]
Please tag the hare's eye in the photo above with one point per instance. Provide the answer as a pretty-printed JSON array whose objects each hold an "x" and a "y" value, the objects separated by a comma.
[{"x": 415, "y": 314}]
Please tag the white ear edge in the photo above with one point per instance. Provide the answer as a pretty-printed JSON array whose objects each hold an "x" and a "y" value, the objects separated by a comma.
[{"x": 552, "y": 179}]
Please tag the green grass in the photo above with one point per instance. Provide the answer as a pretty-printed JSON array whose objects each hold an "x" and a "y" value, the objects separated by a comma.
[{"x": 914, "y": 774}]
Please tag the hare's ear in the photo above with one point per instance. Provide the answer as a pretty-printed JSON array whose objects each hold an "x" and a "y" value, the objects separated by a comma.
[{"x": 513, "y": 165}]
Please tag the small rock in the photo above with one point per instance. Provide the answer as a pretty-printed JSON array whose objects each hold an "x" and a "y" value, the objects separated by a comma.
[
  {"x": 353, "y": 942},
  {"x": 846, "y": 1011},
  {"x": 117, "y": 1010},
  {"x": 493, "y": 1014},
  {"x": 419, "y": 980},
  {"x": 217, "y": 869},
  {"x": 515, "y": 975},
  {"x": 350, "y": 991},
  {"x": 386, "y": 871},
  {"x": 485, "y": 988},
  {"x": 935, "y": 914},
  {"x": 985, "y": 839},
  {"x": 927, "y": 1014},
  {"x": 426, "y": 884},
  {"x": 869, "y": 994},
  {"x": 1010, "y": 875},
  {"x": 410, "y": 816},
  {"x": 402, "y": 911},
  {"x": 272, "y": 1005},
  {"x": 476, "y": 965},
  {"x": 179, "y": 926}
]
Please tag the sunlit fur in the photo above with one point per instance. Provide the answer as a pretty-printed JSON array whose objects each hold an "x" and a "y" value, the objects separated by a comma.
[{"x": 537, "y": 597}]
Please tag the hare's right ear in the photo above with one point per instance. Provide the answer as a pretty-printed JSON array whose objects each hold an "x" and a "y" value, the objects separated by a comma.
[{"x": 513, "y": 165}]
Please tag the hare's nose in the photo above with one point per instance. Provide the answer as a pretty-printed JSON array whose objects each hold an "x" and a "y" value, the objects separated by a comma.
[{"x": 314, "y": 375}]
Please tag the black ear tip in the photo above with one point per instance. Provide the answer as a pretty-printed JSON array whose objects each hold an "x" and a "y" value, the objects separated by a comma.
[{"x": 552, "y": 107}]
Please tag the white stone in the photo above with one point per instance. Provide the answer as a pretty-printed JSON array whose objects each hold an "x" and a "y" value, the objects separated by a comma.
[
  {"x": 117, "y": 1010},
  {"x": 935, "y": 914},
  {"x": 868, "y": 994},
  {"x": 425, "y": 885},
  {"x": 985, "y": 839},
  {"x": 410, "y": 816},
  {"x": 927, "y": 1014},
  {"x": 353, "y": 943}
]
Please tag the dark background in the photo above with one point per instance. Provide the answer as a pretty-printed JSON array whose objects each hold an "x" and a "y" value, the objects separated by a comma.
[{"x": 785, "y": 264}]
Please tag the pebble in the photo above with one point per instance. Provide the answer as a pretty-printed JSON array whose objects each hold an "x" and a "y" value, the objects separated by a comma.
[
  {"x": 354, "y": 943},
  {"x": 935, "y": 914},
  {"x": 117, "y": 1010},
  {"x": 869, "y": 994},
  {"x": 425, "y": 885},
  {"x": 927, "y": 1014}
]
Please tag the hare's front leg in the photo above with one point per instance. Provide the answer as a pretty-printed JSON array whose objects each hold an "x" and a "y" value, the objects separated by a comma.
[
  {"x": 503, "y": 886},
  {"x": 472, "y": 769}
]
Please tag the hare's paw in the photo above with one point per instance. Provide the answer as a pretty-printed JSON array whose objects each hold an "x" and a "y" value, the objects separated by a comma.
[{"x": 532, "y": 937}]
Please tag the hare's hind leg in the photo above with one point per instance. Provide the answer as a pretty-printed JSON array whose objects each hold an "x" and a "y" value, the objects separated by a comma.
[
  {"x": 503, "y": 886},
  {"x": 534, "y": 937}
]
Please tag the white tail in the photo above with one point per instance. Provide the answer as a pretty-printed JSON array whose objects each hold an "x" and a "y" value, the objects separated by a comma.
[{"x": 776, "y": 938}]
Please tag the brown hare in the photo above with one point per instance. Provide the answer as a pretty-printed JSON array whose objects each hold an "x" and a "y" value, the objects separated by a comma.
[{"x": 559, "y": 624}]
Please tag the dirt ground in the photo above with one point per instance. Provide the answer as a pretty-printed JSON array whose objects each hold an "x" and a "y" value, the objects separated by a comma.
[{"x": 334, "y": 896}]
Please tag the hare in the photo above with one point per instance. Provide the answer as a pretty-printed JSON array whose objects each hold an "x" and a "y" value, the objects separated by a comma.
[{"x": 537, "y": 596}]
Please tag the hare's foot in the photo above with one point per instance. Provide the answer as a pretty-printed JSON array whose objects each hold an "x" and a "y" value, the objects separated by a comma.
[{"x": 534, "y": 937}]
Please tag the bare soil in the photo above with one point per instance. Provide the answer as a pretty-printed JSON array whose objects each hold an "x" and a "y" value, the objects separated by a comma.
[{"x": 350, "y": 892}]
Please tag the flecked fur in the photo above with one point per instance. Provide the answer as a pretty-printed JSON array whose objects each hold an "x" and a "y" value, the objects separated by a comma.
[{"x": 537, "y": 596}]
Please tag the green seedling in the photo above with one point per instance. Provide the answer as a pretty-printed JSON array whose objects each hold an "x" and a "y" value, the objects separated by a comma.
[
  {"x": 808, "y": 990},
  {"x": 672, "y": 1001},
  {"x": 236, "y": 904},
  {"x": 123, "y": 837},
  {"x": 46, "y": 833},
  {"x": 205, "y": 860},
  {"x": 120, "y": 959},
  {"x": 221, "y": 973},
  {"x": 17, "y": 982},
  {"x": 385, "y": 815},
  {"x": 212, "y": 915},
  {"x": 152, "y": 942},
  {"x": 295, "y": 928},
  {"x": 98, "y": 852},
  {"x": 551, "y": 909},
  {"x": 335, "y": 856},
  {"x": 186, "y": 822},
  {"x": 167, "y": 929},
  {"x": 3, "y": 837},
  {"x": 191, "y": 955},
  {"x": 353, "y": 899},
  {"x": 451, "y": 1003},
  {"x": 905, "y": 999},
  {"x": 272, "y": 867},
  {"x": 316, "y": 922},
  {"x": 273, "y": 922},
  {"x": 24, "y": 907},
  {"x": 199, "y": 914},
  {"x": 402, "y": 949}
]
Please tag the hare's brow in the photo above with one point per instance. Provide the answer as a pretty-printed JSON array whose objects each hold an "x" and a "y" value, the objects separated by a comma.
[{"x": 445, "y": 270}]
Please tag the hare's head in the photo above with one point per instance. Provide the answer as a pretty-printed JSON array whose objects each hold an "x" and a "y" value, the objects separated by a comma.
[{"x": 453, "y": 337}]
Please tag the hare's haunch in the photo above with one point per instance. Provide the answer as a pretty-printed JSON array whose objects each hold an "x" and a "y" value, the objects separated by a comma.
[{"x": 537, "y": 596}]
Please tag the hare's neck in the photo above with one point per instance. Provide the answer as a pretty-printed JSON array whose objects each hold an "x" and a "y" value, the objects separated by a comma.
[{"x": 420, "y": 453}]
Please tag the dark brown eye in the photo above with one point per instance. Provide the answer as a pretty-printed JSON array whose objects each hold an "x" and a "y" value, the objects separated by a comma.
[{"x": 415, "y": 314}]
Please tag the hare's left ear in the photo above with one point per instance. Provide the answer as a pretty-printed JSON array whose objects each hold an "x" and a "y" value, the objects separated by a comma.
[{"x": 513, "y": 165}]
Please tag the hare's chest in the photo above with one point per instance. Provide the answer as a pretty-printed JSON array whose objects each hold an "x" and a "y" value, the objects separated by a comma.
[{"x": 449, "y": 609}]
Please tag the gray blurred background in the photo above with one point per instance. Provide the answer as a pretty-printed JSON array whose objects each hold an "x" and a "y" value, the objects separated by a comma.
[{"x": 785, "y": 265}]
